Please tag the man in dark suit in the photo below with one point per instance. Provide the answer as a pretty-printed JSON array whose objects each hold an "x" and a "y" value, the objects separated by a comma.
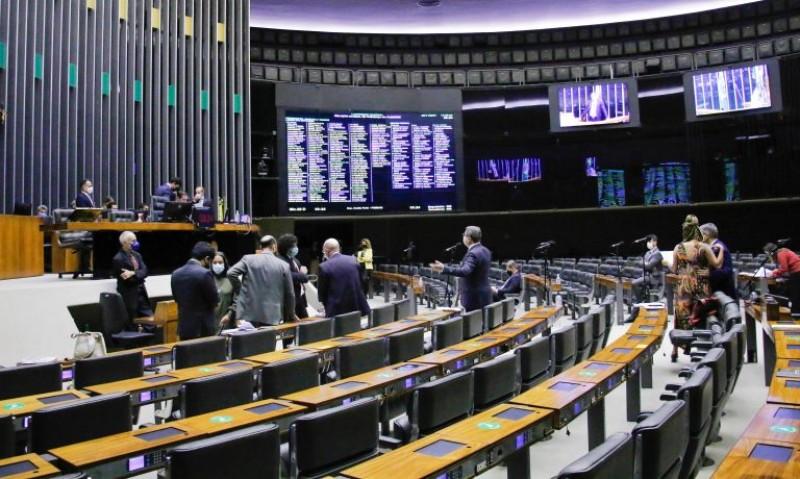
[
  {"x": 195, "y": 291},
  {"x": 513, "y": 284},
  {"x": 339, "y": 284},
  {"x": 199, "y": 199},
  {"x": 129, "y": 269},
  {"x": 653, "y": 268},
  {"x": 84, "y": 198},
  {"x": 474, "y": 271},
  {"x": 169, "y": 189}
]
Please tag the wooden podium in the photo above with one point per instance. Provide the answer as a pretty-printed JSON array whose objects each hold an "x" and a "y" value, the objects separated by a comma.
[{"x": 21, "y": 247}]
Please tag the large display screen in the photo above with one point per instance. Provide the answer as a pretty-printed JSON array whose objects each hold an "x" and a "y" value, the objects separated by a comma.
[
  {"x": 667, "y": 184},
  {"x": 514, "y": 170},
  {"x": 611, "y": 103},
  {"x": 753, "y": 87},
  {"x": 611, "y": 188}
]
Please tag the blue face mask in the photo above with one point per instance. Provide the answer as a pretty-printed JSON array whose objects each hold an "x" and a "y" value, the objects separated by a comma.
[
  {"x": 293, "y": 251},
  {"x": 136, "y": 245}
]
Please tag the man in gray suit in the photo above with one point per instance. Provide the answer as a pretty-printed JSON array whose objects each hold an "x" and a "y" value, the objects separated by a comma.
[
  {"x": 264, "y": 285},
  {"x": 653, "y": 267}
]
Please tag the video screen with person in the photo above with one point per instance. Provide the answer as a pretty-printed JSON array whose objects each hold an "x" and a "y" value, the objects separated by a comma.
[
  {"x": 601, "y": 104},
  {"x": 516, "y": 170}
]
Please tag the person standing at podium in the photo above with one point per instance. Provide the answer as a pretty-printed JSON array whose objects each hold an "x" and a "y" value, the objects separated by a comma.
[
  {"x": 84, "y": 199},
  {"x": 475, "y": 290},
  {"x": 129, "y": 269},
  {"x": 195, "y": 292}
]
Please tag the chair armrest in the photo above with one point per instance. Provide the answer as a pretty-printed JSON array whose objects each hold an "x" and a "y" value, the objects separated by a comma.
[
  {"x": 668, "y": 397},
  {"x": 703, "y": 345},
  {"x": 672, "y": 387},
  {"x": 685, "y": 372},
  {"x": 643, "y": 415},
  {"x": 149, "y": 321},
  {"x": 387, "y": 442}
]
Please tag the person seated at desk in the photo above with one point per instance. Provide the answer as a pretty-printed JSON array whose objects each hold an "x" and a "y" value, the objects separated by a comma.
[
  {"x": 339, "y": 282},
  {"x": 84, "y": 198},
  {"x": 196, "y": 294},
  {"x": 199, "y": 199},
  {"x": 183, "y": 197},
  {"x": 513, "y": 284},
  {"x": 169, "y": 189},
  {"x": 653, "y": 269},
  {"x": 129, "y": 269},
  {"x": 788, "y": 266}
]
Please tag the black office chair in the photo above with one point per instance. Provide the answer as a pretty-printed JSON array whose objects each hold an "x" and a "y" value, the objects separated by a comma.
[
  {"x": 473, "y": 323},
  {"x": 250, "y": 343},
  {"x": 220, "y": 391},
  {"x": 716, "y": 360},
  {"x": 78, "y": 421},
  {"x": 598, "y": 330},
  {"x": 402, "y": 309},
  {"x": 661, "y": 440},
  {"x": 8, "y": 438},
  {"x": 115, "y": 367},
  {"x": 613, "y": 459},
  {"x": 608, "y": 315},
  {"x": 563, "y": 348},
  {"x": 292, "y": 375},
  {"x": 348, "y": 323},
  {"x": 313, "y": 331},
  {"x": 121, "y": 216},
  {"x": 360, "y": 357},
  {"x": 28, "y": 380},
  {"x": 447, "y": 333},
  {"x": 534, "y": 361},
  {"x": 496, "y": 381},
  {"x": 324, "y": 442},
  {"x": 196, "y": 352},
  {"x": 406, "y": 345},
  {"x": 251, "y": 453},
  {"x": 509, "y": 309},
  {"x": 435, "y": 405},
  {"x": 114, "y": 319},
  {"x": 584, "y": 337},
  {"x": 381, "y": 315},
  {"x": 698, "y": 393},
  {"x": 492, "y": 316}
]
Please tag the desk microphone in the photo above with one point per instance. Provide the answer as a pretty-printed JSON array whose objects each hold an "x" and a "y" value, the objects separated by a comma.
[
  {"x": 641, "y": 240},
  {"x": 546, "y": 244},
  {"x": 618, "y": 244},
  {"x": 451, "y": 248}
]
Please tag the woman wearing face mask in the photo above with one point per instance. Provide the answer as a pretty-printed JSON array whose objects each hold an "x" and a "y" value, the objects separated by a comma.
[
  {"x": 364, "y": 258},
  {"x": 287, "y": 251},
  {"x": 219, "y": 268}
]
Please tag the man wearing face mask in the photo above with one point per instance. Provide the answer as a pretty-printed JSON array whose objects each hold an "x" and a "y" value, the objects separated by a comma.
[
  {"x": 195, "y": 291},
  {"x": 513, "y": 284},
  {"x": 129, "y": 269},
  {"x": 653, "y": 267},
  {"x": 84, "y": 199},
  {"x": 287, "y": 251},
  {"x": 474, "y": 286}
]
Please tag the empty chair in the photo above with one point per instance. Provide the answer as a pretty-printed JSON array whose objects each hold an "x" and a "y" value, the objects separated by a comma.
[
  {"x": 613, "y": 459},
  {"x": 220, "y": 391},
  {"x": 435, "y": 405},
  {"x": 447, "y": 333},
  {"x": 402, "y": 309},
  {"x": 534, "y": 358},
  {"x": 28, "y": 380},
  {"x": 698, "y": 393},
  {"x": 361, "y": 357},
  {"x": 608, "y": 308},
  {"x": 661, "y": 440},
  {"x": 509, "y": 309},
  {"x": 492, "y": 316},
  {"x": 598, "y": 330},
  {"x": 312, "y": 331},
  {"x": 584, "y": 337},
  {"x": 115, "y": 367},
  {"x": 114, "y": 319},
  {"x": 473, "y": 323},
  {"x": 77, "y": 421},
  {"x": 7, "y": 437},
  {"x": 196, "y": 352},
  {"x": 347, "y": 323},
  {"x": 715, "y": 360},
  {"x": 563, "y": 348},
  {"x": 406, "y": 345},
  {"x": 253, "y": 453},
  {"x": 292, "y": 375},
  {"x": 250, "y": 343},
  {"x": 496, "y": 381},
  {"x": 381, "y": 315},
  {"x": 317, "y": 446}
]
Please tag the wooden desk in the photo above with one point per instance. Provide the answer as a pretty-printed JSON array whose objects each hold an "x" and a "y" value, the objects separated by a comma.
[
  {"x": 282, "y": 355},
  {"x": 619, "y": 286},
  {"x": 503, "y": 433},
  {"x": 567, "y": 399},
  {"x": 772, "y": 319},
  {"x": 540, "y": 287},
  {"x": 21, "y": 247},
  {"x": 653, "y": 322},
  {"x": 434, "y": 316},
  {"x": 390, "y": 328},
  {"x": 130, "y": 453},
  {"x": 775, "y": 422},
  {"x": 387, "y": 382},
  {"x": 165, "y": 317},
  {"x": 21, "y": 408},
  {"x": 31, "y": 465},
  {"x": 785, "y": 385},
  {"x": 520, "y": 331},
  {"x": 464, "y": 355},
  {"x": 413, "y": 284},
  {"x": 327, "y": 347},
  {"x": 740, "y": 463},
  {"x": 787, "y": 341},
  {"x": 146, "y": 226}
]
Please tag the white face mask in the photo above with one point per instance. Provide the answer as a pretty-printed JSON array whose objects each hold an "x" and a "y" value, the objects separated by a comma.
[
  {"x": 217, "y": 268},
  {"x": 90, "y": 190}
]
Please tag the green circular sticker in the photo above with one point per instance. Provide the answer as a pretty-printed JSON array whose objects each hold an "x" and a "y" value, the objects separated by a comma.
[
  {"x": 587, "y": 374},
  {"x": 221, "y": 419},
  {"x": 206, "y": 370},
  {"x": 489, "y": 426},
  {"x": 783, "y": 429},
  {"x": 13, "y": 406}
]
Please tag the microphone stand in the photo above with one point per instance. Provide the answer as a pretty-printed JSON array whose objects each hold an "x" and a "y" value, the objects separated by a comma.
[
  {"x": 447, "y": 294},
  {"x": 645, "y": 277},
  {"x": 749, "y": 285}
]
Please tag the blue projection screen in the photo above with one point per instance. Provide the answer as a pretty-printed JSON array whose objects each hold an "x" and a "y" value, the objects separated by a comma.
[{"x": 515, "y": 170}]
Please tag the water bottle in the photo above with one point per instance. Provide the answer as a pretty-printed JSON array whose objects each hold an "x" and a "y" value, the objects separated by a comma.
[{"x": 558, "y": 279}]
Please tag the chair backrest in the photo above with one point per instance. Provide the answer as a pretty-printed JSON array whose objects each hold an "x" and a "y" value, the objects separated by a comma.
[
  {"x": 584, "y": 337},
  {"x": 496, "y": 380},
  {"x": 733, "y": 356},
  {"x": 8, "y": 438},
  {"x": 113, "y": 314},
  {"x": 406, "y": 345},
  {"x": 381, "y": 315},
  {"x": 447, "y": 333},
  {"x": 661, "y": 440},
  {"x": 312, "y": 331},
  {"x": 473, "y": 323},
  {"x": 115, "y": 367},
  {"x": 28, "y": 380},
  {"x": 612, "y": 459},
  {"x": 698, "y": 392},
  {"x": 60, "y": 215},
  {"x": 317, "y": 444},
  {"x": 443, "y": 401},
  {"x": 598, "y": 330},
  {"x": 361, "y": 357},
  {"x": 121, "y": 216},
  {"x": 250, "y": 343},
  {"x": 715, "y": 360},
  {"x": 78, "y": 421},
  {"x": 157, "y": 205},
  {"x": 608, "y": 316},
  {"x": 254, "y": 452},
  {"x": 492, "y": 316},
  {"x": 402, "y": 309},
  {"x": 534, "y": 359},
  {"x": 186, "y": 354},
  {"x": 347, "y": 323},
  {"x": 509, "y": 309},
  {"x": 563, "y": 348},
  {"x": 219, "y": 391},
  {"x": 292, "y": 375}
]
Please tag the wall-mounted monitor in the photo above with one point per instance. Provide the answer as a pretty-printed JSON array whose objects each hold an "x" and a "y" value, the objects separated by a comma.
[
  {"x": 731, "y": 172},
  {"x": 667, "y": 184},
  {"x": 611, "y": 188},
  {"x": 734, "y": 89},
  {"x": 601, "y": 104},
  {"x": 590, "y": 166},
  {"x": 514, "y": 170}
]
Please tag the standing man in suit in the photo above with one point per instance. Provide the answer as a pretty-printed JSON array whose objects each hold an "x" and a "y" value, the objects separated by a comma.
[
  {"x": 264, "y": 285},
  {"x": 287, "y": 251},
  {"x": 474, "y": 271},
  {"x": 513, "y": 284},
  {"x": 339, "y": 284},
  {"x": 195, "y": 291},
  {"x": 653, "y": 267},
  {"x": 169, "y": 189},
  {"x": 84, "y": 198},
  {"x": 129, "y": 269}
]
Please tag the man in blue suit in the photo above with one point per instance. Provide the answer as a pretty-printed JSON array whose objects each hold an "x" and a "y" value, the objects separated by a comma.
[
  {"x": 513, "y": 284},
  {"x": 339, "y": 282},
  {"x": 170, "y": 189},
  {"x": 195, "y": 291},
  {"x": 474, "y": 271},
  {"x": 84, "y": 198}
]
